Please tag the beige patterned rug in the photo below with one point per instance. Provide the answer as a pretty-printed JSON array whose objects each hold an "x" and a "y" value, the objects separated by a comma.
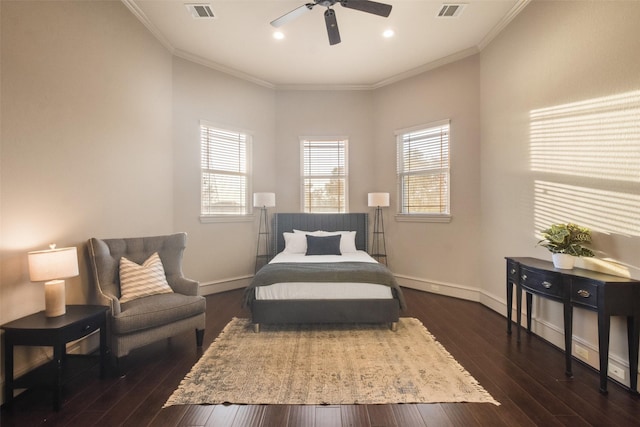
[{"x": 327, "y": 364}]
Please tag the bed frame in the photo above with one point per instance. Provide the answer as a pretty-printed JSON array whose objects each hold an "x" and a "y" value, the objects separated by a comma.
[{"x": 323, "y": 311}]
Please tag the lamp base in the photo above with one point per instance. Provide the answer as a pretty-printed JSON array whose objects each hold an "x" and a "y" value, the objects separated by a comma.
[{"x": 54, "y": 298}]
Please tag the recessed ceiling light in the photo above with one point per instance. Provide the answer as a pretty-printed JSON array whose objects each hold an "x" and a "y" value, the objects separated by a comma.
[
  {"x": 278, "y": 35},
  {"x": 388, "y": 33}
]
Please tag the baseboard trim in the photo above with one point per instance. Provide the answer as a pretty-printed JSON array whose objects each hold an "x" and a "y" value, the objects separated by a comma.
[
  {"x": 217, "y": 286},
  {"x": 549, "y": 332},
  {"x": 545, "y": 330},
  {"x": 440, "y": 288},
  {"x": 554, "y": 335}
]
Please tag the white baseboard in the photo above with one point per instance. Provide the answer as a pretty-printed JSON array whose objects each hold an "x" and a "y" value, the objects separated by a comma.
[
  {"x": 214, "y": 287},
  {"x": 554, "y": 334},
  {"x": 547, "y": 331},
  {"x": 441, "y": 288}
]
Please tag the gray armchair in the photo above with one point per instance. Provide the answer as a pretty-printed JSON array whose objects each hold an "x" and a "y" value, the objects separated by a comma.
[{"x": 144, "y": 320}]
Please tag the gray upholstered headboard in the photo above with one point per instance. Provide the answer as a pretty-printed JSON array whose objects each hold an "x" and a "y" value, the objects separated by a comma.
[{"x": 286, "y": 222}]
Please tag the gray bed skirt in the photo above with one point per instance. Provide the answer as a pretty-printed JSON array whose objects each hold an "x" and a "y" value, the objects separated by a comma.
[{"x": 325, "y": 311}]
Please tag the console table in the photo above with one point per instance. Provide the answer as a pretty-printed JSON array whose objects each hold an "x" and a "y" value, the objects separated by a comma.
[
  {"x": 39, "y": 330},
  {"x": 606, "y": 294}
]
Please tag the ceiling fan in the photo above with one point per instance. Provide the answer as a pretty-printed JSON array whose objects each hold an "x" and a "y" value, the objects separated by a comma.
[{"x": 376, "y": 8}]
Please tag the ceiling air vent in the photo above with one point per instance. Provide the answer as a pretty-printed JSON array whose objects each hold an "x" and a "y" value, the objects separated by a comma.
[
  {"x": 200, "y": 10},
  {"x": 450, "y": 10}
]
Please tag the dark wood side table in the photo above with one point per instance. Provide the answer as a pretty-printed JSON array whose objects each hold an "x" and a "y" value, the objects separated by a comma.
[
  {"x": 39, "y": 330},
  {"x": 606, "y": 294}
]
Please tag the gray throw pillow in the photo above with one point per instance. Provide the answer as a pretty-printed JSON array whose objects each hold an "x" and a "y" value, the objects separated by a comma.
[{"x": 329, "y": 245}]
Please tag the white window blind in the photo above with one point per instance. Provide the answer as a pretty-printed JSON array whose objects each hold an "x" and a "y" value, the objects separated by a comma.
[
  {"x": 225, "y": 171},
  {"x": 324, "y": 180},
  {"x": 423, "y": 169}
]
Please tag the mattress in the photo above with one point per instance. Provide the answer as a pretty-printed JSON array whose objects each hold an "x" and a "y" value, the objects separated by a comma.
[{"x": 323, "y": 290}]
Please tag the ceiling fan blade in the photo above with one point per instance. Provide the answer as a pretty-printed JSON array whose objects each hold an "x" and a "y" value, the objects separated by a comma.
[
  {"x": 290, "y": 16},
  {"x": 376, "y": 8},
  {"x": 332, "y": 26}
]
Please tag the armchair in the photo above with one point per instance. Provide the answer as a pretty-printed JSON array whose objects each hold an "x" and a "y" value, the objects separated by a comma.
[{"x": 144, "y": 320}]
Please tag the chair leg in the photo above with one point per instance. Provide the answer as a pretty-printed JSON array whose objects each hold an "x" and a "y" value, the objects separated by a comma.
[
  {"x": 119, "y": 365},
  {"x": 199, "y": 337}
]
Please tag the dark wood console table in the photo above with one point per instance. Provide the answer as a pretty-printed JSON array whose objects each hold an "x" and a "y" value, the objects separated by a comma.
[{"x": 606, "y": 294}]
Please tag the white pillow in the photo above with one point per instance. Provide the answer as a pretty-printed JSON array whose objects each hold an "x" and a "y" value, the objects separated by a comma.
[
  {"x": 311, "y": 233},
  {"x": 347, "y": 241},
  {"x": 137, "y": 281},
  {"x": 295, "y": 243}
]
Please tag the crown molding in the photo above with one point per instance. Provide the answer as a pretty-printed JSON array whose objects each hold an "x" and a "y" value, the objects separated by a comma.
[
  {"x": 427, "y": 67},
  {"x": 218, "y": 67},
  {"x": 139, "y": 14},
  {"x": 497, "y": 29}
]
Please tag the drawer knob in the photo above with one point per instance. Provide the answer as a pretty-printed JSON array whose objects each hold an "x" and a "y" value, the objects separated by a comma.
[
  {"x": 524, "y": 277},
  {"x": 546, "y": 284},
  {"x": 513, "y": 271},
  {"x": 583, "y": 293}
]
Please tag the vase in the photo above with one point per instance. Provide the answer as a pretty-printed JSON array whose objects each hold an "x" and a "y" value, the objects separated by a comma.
[{"x": 563, "y": 261}]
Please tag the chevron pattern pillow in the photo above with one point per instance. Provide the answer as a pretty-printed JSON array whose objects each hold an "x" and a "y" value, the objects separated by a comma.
[{"x": 137, "y": 281}]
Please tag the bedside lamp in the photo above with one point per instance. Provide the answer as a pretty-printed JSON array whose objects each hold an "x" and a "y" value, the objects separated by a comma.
[
  {"x": 52, "y": 266},
  {"x": 378, "y": 200},
  {"x": 264, "y": 200}
]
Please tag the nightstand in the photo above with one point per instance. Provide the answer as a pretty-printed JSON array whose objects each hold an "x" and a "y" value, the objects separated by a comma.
[{"x": 39, "y": 330}]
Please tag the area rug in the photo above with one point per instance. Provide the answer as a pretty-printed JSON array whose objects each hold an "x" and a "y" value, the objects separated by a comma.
[{"x": 327, "y": 364}]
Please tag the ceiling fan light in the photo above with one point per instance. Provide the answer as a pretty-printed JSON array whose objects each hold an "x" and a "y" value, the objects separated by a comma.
[{"x": 387, "y": 34}]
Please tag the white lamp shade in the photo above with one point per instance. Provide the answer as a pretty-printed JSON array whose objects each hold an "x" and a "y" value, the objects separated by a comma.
[
  {"x": 267, "y": 200},
  {"x": 378, "y": 199},
  {"x": 53, "y": 264}
]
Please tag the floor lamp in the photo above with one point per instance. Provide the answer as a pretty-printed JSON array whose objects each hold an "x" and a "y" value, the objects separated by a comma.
[
  {"x": 378, "y": 246},
  {"x": 263, "y": 201}
]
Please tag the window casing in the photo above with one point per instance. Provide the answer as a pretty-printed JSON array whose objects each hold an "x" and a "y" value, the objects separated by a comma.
[
  {"x": 423, "y": 172},
  {"x": 324, "y": 175},
  {"x": 225, "y": 172}
]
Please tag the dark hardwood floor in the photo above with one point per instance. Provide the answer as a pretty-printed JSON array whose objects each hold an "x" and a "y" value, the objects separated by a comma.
[{"x": 527, "y": 379}]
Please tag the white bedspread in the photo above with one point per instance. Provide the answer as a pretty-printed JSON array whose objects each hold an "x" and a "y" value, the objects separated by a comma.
[{"x": 323, "y": 290}]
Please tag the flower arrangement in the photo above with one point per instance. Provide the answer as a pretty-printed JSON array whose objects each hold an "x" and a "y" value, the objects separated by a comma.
[{"x": 567, "y": 239}]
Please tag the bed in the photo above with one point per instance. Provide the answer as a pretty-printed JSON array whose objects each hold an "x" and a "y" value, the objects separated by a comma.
[{"x": 347, "y": 288}]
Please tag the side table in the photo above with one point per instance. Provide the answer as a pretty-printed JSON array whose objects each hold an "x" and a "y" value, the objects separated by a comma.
[{"x": 39, "y": 330}]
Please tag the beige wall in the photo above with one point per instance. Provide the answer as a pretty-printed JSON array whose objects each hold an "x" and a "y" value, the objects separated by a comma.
[
  {"x": 222, "y": 251},
  {"x": 437, "y": 250},
  {"x": 557, "y": 54},
  {"x": 86, "y": 138},
  {"x": 319, "y": 114}
]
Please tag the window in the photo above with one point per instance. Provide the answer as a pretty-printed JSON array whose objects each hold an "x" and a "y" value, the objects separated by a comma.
[
  {"x": 225, "y": 164},
  {"x": 324, "y": 175},
  {"x": 423, "y": 171}
]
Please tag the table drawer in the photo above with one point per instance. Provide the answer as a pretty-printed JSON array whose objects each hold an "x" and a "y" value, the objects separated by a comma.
[
  {"x": 584, "y": 293},
  {"x": 81, "y": 329},
  {"x": 513, "y": 271},
  {"x": 541, "y": 282}
]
